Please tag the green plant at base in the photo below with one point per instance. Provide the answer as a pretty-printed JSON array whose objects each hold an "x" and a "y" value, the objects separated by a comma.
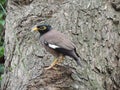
[{"x": 2, "y": 22}]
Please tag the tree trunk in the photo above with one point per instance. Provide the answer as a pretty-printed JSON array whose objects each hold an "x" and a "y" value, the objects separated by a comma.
[{"x": 94, "y": 27}]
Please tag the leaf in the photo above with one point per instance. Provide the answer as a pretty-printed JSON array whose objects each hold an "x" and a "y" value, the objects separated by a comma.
[
  {"x": 0, "y": 78},
  {"x": 2, "y": 7},
  {"x": 2, "y": 2},
  {"x": 2, "y": 22},
  {"x": 1, "y": 68},
  {"x": 1, "y": 15},
  {"x": 1, "y": 51}
]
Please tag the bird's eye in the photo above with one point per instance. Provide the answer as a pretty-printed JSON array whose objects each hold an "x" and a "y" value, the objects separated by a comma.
[{"x": 43, "y": 28}]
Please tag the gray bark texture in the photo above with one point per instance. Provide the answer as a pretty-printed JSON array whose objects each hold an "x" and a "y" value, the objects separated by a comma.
[{"x": 94, "y": 27}]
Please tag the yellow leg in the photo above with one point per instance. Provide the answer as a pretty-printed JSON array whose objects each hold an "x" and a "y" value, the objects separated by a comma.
[
  {"x": 53, "y": 64},
  {"x": 61, "y": 58}
]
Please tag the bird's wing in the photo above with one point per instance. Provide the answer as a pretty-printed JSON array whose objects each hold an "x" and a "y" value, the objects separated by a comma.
[{"x": 55, "y": 39}]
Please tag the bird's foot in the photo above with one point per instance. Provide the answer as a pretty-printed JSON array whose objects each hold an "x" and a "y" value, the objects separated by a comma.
[
  {"x": 47, "y": 68},
  {"x": 53, "y": 64}
]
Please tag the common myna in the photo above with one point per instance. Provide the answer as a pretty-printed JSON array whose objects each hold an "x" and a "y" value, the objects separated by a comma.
[{"x": 57, "y": 44}]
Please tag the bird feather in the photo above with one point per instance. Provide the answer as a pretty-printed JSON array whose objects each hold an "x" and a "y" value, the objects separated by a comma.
[
  {"x": 53, "y": 46},
  {"x": 57, "y": 39}
]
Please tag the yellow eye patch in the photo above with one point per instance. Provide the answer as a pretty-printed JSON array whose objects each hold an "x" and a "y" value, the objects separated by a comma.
[
  {"x": 37, "y": 28},
  {"x": 43, "y": 28}
]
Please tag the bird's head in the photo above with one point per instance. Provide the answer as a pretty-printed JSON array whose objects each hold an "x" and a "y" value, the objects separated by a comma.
[{"x": 42, "y": 28}]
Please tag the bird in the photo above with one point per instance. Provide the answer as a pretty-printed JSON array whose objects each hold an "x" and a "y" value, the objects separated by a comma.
[{"x": 57, "y": 44}]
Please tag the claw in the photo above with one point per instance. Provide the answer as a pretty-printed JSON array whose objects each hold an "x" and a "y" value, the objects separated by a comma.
[
  {"x": 56, "y": 61},
  {"x": 53, "y": 64},
  {"x": 47, "y": 68}
]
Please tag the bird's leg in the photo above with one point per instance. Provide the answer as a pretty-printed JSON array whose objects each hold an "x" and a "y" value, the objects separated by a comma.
[
  {"x": 56, "y": 61},
  {"x": 53, "y": 64},
  {"x": 61, "y": 58}
]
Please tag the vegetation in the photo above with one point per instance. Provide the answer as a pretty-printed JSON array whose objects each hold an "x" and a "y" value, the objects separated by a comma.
[{"x": 2, "y": 22}]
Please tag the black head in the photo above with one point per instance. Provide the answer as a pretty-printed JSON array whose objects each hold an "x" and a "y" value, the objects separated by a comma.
[{"x": 42, "y": 28}]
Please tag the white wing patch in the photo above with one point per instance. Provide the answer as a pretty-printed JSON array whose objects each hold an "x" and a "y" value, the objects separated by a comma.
[{"x": 53, "y": 46}]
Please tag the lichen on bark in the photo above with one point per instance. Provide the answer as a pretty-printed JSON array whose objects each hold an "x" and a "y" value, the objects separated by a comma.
[{"x": 92, "y": 25}]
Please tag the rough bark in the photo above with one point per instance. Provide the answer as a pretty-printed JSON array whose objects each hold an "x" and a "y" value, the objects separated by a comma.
[{"x": 93, "y": 25}]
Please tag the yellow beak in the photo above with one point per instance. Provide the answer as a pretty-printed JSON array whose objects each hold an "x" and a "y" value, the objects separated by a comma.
[{"x": 35, "y": 29}]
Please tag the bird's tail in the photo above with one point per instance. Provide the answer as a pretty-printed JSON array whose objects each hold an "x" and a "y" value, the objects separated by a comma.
[{"x": 78, "y": 59}]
